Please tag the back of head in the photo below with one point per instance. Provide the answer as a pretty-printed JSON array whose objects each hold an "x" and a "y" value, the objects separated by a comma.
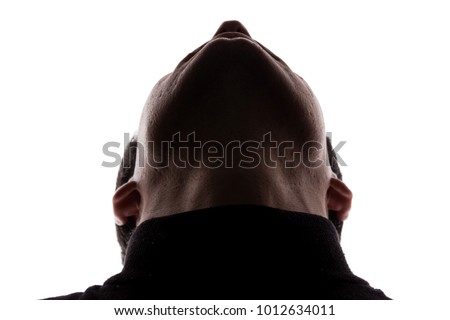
[{"x": 232, "y": 124}]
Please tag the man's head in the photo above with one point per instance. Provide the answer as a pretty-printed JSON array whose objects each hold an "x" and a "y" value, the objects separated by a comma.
[{"x": 232, "y": 124}]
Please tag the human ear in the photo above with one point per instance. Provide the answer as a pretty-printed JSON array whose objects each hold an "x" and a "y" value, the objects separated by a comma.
[
  {"x": 339, "y": 198},
  {"x": 126, "y": 202}
]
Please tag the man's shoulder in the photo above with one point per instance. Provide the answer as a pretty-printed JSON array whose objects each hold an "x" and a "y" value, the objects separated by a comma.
[{"x": 91, "y": 293}]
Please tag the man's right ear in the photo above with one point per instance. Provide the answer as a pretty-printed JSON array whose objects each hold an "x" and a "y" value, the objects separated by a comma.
[
  {"x": 339, "y": 198},
  {"x": 126, "y": 202}
]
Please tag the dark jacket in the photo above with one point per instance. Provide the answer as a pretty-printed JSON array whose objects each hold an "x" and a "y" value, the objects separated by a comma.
[{"x": 234, "y": 252}]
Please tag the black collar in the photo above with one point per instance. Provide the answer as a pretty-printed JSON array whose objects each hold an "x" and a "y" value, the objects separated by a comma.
[
  {"x": 244, "y": 246},
  {"x": 241, "y": 230}
]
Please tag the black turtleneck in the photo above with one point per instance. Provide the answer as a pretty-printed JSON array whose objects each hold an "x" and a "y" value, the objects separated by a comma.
[{"x": 234, "y": 252}]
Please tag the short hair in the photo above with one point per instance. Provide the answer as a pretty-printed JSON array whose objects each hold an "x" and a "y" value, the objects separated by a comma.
[
  {"x": 333, "y": 163},
  {"x": 126, "y": 171}
]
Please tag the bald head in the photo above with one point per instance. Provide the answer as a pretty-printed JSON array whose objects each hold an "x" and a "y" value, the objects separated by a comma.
[
  {"x": 232, "y": 124},
  {"x": 232, "y": 88}
]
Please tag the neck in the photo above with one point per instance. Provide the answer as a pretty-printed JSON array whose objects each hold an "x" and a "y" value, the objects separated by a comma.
[{"x": 181, "y": 190}]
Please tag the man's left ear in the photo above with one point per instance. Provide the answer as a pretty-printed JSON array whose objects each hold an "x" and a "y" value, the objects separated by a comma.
[
  {"x": 126, "y": 202},
  {"x": 339, "y": 198}
]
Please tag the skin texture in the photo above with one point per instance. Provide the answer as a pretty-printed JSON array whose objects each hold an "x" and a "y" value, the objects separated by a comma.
[{"x": 231, "y": 89}]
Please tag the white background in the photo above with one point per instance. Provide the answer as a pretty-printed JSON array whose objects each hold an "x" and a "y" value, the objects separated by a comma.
[{"x": 75, "y": 75}]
